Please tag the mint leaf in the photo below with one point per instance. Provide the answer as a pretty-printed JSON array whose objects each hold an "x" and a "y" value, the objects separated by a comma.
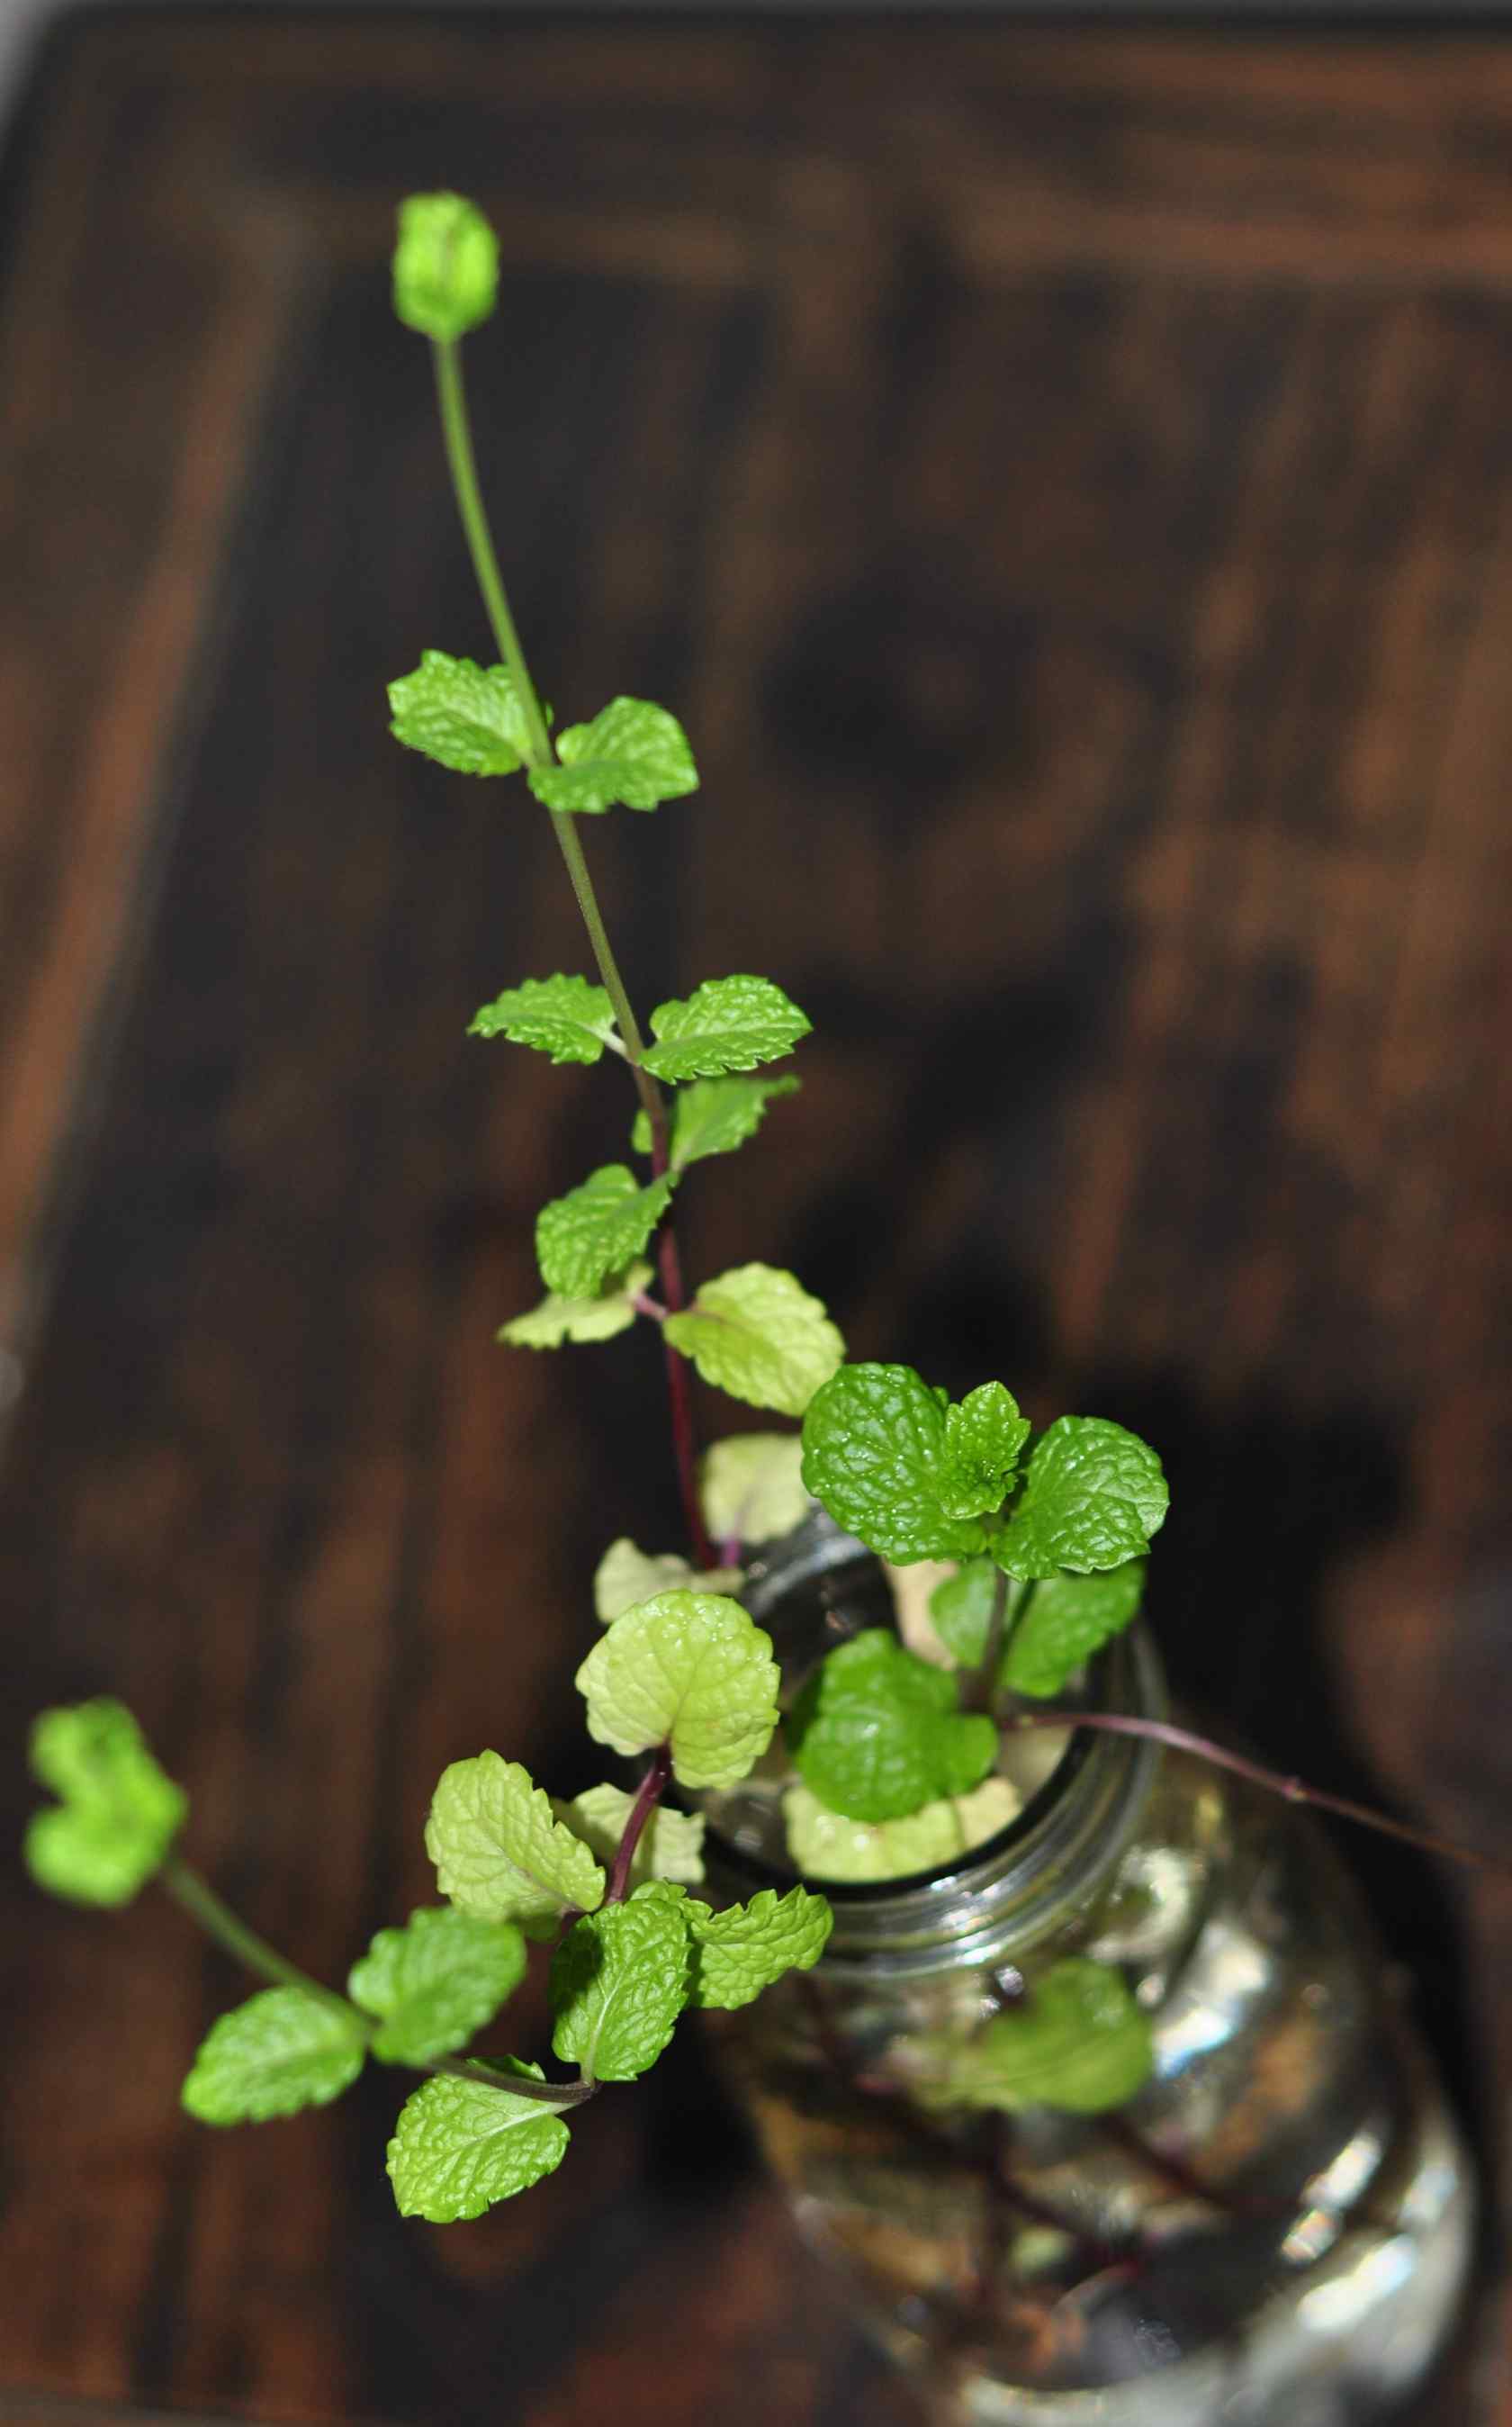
[
  {"x": 445, "y": 266},
  {"x": 284, "y": 2049},
  {"x": 567, "y": 1017},
  {"x": 596, "y": 1229},
  {"x": 619, "y": 1982},
  {"x": 1067, "y": 1620},
  {"x": 725, "y": 1024},
  {"x": 460, "y": 2145},
  {"x": 119, "y": 1812},
  {"x": 876, "y": 1453},
  {"x": 984, "y": 1437},
  {"x": 670, "y": 1844},
  {"x": 739, "y": 1952},
  {"x": 632, "y": 753},
  {"x": 626, "y": 1575},
  {"x": 580, "y": 1319},
  {"x": 961, "y": 1608},
  {"x": 876, "y": 1732},
  {"x": 713, "y": 1116},
  {"x": 825, "y": 1846},
  {"x": 1079, "y": 2044},
  {"x": 499, "y": 1853},
  {"x": 464, "y": 716},
  {"x": 436, "y": 1981},
  {"x": 1093, "y": 1497},
  {"x": 757, "y": 1333},
  {"x": 751, "y": 1489},
  {"x": 690, "y": 1669}
]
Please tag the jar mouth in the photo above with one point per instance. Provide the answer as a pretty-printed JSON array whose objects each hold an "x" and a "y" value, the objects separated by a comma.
[{"x": 815, "y": 1588}]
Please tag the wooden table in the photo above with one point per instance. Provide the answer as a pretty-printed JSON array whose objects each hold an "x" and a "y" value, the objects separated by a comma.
[{"x": 1063, "y": 479}]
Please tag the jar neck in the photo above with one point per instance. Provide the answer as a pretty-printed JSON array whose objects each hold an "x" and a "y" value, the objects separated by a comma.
[{"x": 1054, "y": 1859}]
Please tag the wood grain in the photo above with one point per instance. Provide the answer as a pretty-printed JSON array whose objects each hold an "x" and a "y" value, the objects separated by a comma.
[{"x": 1063, "y": 479}]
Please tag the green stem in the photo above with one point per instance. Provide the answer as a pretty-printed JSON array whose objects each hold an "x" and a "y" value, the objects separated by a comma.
[
  {"x": 456, "y": 429},
  {"x": 201, "y": 1902}
]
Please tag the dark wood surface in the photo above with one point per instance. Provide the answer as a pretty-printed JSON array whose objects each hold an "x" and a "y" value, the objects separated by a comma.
[{"x": 1064, "y": 481}]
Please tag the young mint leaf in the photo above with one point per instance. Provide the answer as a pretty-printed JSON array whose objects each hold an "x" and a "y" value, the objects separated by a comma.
[
  {"x": 119, "y": 1812},
  {"x": 670, "y": 1844},
  {"x": 961, "y": 1608},
  {"x": 460, "y": 2145},
  {"x": 500, "y": 1853},
  {"x": 1067, "y": 1620},
  {"x": 619, "y": 1982},
  {"x": 557, "y": 1319},
  {"x": 284, "y": 2049},
  {"x": 464, "y": 716},
  {"x": 626, "y": 1575},
  {"x": 1093, "y": 1497},
  {"x": 632, "y": 753},
  {"x": 739, "y": 1952},
  {"x": 596, "y": 1229},
  {"x": 875, "y": 1453},
  {"x": 690, "y": 1669},
  {"x": 757, "y": 1333},
  {"x": 984, "y": 1437},
  {"x": 445, "y": 266},
  {"x": 725, "y": 1024},
  {"x": 876, "y": 1732},
  {"x": 713, "y": 1116},
  {"x": 567, "y": 1017},
  {"x": 825, "y": 1846},
  {"x": 436, "y": 1981},
  {"x": 1079, "y": 2044},
  {"x": 751, "y": 1489}
]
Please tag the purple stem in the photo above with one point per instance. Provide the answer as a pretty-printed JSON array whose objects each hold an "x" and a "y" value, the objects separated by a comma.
[
  {"x": 652, "y": 1786},
  {"x": 1122, "y": 1723}
]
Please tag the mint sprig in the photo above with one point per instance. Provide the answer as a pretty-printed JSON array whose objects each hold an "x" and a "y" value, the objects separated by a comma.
[{"x": 118, "y": 1812}]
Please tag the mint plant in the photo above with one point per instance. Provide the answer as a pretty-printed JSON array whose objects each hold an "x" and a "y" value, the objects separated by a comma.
[{"x": 891, "y": 1750}]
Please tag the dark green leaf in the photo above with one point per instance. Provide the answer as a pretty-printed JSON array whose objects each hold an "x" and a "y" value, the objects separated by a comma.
[
  {"x": 1094, "y": 1494},
  {"x": 876, "y": 1733},
  {"x": 875, "y": 1453}
]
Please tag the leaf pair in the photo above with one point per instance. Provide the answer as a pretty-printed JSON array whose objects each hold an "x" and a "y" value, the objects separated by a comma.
[
  {"x": 117, "y": 1813},
  {"x": 417, "y": 1993},
  {"x": 471, "y": 718},
  {"x": 1054, "y": 1626},
  {"x": 917, "y": 1478}
]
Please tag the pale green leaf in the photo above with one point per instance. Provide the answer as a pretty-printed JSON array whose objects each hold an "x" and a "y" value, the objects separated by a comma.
[
  {"x": 757, "y": 1333},
  {"x": 459, "y": 2146},
  {"x": 500, "y": 1852},
  {"x": 445, "y": 266},
  {"x": 626, "y": 1575},
  {"x": 464, "y": 716},
  {"x": 579, "y": 1319},
  {"x": 877, "y": 1731},
  {"x": 961, "y": 1607},
  {"x": 1093, "y": 1497},
  {"x": 713, "y": 1116},
  {"x": 825, "y": 1846},
  {"x": 619, "y": 1982},
  {"x": 875, "y": 1454},
  {"x": 597, "y": 1229},
  {"x": 739, "y": 1952},
  {"x": 1078, "y": 2043},
  {"x": 725, "y": 1024},
  {"x": 984, "y": 1437},
  {"x": 632, "y": 752},
  {"x": 436, "y": 1981},
  {"x": 688, "y": 1669},
  {"x": 670, "y": 1844},
  {"x": 752, "y": 1486},
  {"x": 119, "y": 1812},
  {"x": 564, "y": 1016},
  {"x": 284, "y": 2049}
]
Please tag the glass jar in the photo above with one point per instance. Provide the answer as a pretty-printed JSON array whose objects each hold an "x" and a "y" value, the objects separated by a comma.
[{"x": 1275, "y": 2233}]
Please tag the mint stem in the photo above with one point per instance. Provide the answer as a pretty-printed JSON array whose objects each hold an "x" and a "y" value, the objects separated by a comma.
[
  {"x": 549, "y": 2093},
  {"x": 652, "y": 1786},
  {"x": 201, "y": 1902},
  {"x": 1294, "y": 1790},
  {"x": 456, "y": 429}
]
